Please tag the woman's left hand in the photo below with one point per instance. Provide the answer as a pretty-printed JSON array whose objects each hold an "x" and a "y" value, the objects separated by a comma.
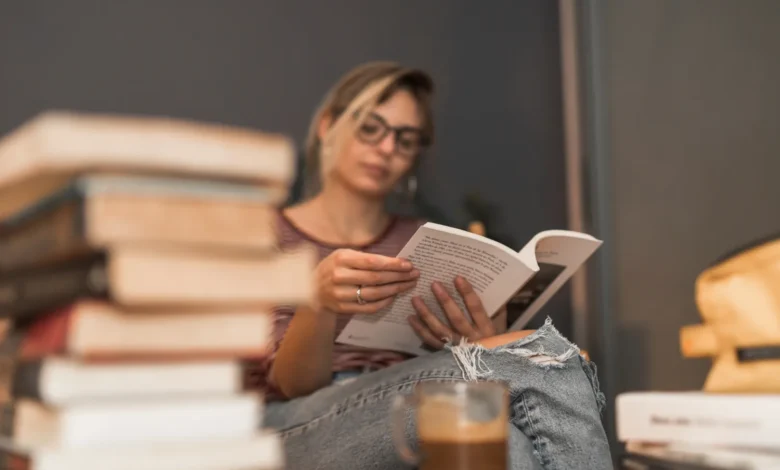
[{"x": 435, "y": 333}]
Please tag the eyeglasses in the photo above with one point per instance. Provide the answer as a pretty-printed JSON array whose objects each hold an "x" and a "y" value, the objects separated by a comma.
[{"x": 409, "y": 141}]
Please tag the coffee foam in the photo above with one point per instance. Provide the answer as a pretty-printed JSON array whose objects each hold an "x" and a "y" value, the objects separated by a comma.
[{"x": 440, "y": 419}]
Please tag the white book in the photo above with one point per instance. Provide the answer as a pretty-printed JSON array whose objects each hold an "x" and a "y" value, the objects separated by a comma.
[
  {"x": 717, "y": 457},
  {"x": 699, "y": 418},
  {"x": 62, "y": 382},
  {"x": 264, "y": 451},
  {"x": 134, "y": 422},
  {"x": 497, "y": 273}
]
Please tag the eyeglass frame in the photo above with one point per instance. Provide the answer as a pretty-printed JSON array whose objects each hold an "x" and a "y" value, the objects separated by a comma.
[{"x": 397, "y": 132}]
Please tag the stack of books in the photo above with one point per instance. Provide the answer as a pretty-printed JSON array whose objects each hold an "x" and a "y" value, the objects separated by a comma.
[
  {"x": 138, "y": 268},
  {"x": 699, "y": 430}
]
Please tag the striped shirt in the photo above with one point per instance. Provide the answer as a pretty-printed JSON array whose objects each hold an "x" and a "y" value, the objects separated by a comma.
[{"x": 345, "y": 357}]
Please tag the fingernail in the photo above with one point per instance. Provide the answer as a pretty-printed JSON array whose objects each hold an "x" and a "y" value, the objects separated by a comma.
[
  {"x": 460, "y": 280},
  {"x": 406, "y": 265},
  {"x": 437, "y": 287},
  {"x": 415, "y": 272}
]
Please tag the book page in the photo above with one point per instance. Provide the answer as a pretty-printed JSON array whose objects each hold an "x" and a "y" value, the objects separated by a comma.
[
  {"x": 440, "y": 253},
  {"x": 558, "y": 254}
]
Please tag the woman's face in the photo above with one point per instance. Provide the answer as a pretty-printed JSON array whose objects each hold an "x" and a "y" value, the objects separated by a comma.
[{"x": 383, "y": 149}]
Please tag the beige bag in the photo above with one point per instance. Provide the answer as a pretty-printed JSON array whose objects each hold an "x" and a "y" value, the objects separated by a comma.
[{"x": 739, "y": 301}]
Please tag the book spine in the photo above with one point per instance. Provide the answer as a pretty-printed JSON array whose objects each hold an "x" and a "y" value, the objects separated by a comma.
[
  {"x": 28, "y": 294},
  {"x": 45, "y": 204},
  {"x": 9, "y": 355},
  {"x": 47, "y": 335},
  {"x": 54, "y": 235},
  {"x": 7, "y": 418},
  {"x": 26, "y": 381},
  {"x": 180, "y": 187},
  {"x": 15, "y": 460}
]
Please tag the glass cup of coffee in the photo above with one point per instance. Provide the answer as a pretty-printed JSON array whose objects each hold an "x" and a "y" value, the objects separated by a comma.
[{"x": 460, "y": 425}]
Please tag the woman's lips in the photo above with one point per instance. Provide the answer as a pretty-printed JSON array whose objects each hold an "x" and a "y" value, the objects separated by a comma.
[{"x": 375, "y": 171}]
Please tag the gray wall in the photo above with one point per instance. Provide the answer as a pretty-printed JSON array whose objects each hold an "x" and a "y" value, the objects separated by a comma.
[
  {"x": 687, "y": 126},
  {"x": 267, "y": 64}
]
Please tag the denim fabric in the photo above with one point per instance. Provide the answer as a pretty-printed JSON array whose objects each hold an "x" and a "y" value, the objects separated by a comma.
[{"x": 555, "y": 415}]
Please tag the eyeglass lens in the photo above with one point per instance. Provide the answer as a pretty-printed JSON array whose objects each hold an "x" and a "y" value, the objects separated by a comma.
[{"x": 408, "y": 140}]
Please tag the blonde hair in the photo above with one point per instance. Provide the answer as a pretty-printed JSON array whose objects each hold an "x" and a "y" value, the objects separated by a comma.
[{"x": 354, "y": 95}]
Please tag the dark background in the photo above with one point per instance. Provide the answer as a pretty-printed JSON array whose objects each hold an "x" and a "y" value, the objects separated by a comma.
[
  {"x": 683, "y": 121},
  {"x": 695, "y": 114},
  {"x": 267, "y": 64}
]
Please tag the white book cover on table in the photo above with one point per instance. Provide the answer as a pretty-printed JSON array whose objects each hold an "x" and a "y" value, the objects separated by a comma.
[
  {"x": 695, "y": 417},
  {"x": 717, "y": 457},
  {"x": 528, "y": 277}
]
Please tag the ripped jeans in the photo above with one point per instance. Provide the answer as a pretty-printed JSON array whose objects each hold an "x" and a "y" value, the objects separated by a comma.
[{"x": 555, "y": 415}]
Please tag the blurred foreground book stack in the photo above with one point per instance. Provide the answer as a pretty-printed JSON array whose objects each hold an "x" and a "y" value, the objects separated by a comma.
[
  {"x": 734, "y": 422},
  {"x": 138, "y": 268}
]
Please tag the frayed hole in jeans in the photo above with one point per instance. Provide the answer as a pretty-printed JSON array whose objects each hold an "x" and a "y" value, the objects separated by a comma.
[{"x": 468, "y": 356}]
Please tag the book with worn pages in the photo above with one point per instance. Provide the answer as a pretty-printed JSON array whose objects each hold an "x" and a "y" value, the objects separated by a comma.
[
  {"x": 139, "y": 262},
  {"x": 529, "y": 278}
]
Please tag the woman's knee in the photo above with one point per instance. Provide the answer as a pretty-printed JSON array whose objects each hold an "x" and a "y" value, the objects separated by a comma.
[{"x": 502, "y": 339}]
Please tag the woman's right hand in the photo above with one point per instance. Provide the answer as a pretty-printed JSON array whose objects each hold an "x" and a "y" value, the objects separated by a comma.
[{"x": 380, "y": 278}]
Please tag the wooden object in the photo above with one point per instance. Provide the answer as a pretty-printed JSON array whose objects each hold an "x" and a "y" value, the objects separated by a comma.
[
  {"x": 477, "y": 228},
  {"x": 739, "y": 302}
]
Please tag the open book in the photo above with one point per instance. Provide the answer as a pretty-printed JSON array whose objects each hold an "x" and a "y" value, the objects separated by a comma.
[{"x": 527, "y": 278}]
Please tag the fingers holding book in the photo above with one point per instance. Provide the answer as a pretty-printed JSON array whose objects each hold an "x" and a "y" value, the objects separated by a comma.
[
  {"x": 482, "y": 324},
  {"x": 371, "y": 298},
  {"x": 435, "y": 333},
  {"x": 428, "y": 327},
  {"x": 370, "y": 262},
  {"x": 353, "y": 282},
  {"x": 359, "y": 277}
]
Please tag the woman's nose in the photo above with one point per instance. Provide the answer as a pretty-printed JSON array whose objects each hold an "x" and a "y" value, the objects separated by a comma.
[{"x": 387, "y": 144}]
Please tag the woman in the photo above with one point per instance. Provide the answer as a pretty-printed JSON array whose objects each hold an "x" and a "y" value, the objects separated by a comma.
[{"x": 331, "y": 402}]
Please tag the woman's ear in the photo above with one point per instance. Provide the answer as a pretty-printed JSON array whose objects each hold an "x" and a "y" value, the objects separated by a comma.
[{"x": 324, "y": 125}]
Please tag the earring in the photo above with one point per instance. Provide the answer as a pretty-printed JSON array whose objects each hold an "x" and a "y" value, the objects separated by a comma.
[
  {"x": 326, "y": 150},
  {"x": 411, "y": 187}
]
